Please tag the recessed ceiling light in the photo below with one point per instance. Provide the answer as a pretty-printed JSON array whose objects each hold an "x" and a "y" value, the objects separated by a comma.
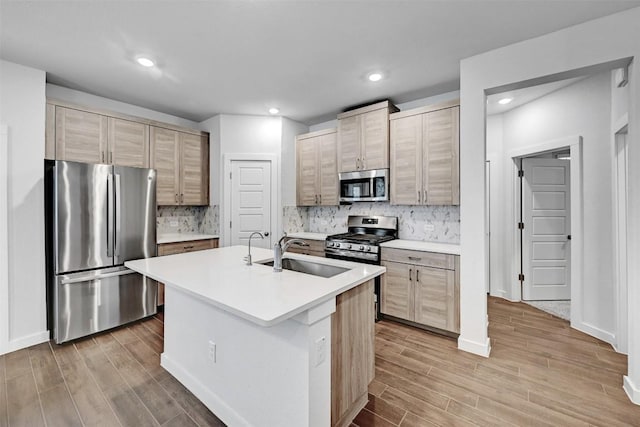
[
  {"x": 375, "y": 77},
  {"x": 273, "y": 110},
  {"x": 505, "y": 101},
  {"x": 145, "y": 62}
]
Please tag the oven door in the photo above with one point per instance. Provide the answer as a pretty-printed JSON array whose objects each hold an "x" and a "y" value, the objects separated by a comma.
[
  {"x": 364, "y": 186},
  {"x": 376, "y": 283}
]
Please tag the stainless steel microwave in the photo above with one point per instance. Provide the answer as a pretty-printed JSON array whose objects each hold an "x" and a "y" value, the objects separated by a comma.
[{"x": 364, "y": 186}]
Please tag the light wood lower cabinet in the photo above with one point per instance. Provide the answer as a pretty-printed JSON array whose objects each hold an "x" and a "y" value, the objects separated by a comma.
[
  {"x": 180, "y": 248},
  {"x": 315, "y": 248},
  {"x": 352, "y": 352},
  {"x": 421, "y": 287}
]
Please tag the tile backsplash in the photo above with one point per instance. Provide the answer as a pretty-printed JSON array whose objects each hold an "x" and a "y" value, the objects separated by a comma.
[
  {"x": 188, "y": 219},
  {"x": 426, "y": 223}
]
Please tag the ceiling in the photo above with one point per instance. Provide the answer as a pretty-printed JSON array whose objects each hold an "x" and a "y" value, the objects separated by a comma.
[{"x": 309, "y": 58}]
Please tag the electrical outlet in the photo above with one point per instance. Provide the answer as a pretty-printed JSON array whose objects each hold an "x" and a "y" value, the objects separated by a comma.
[
  {"x": 321, "y": 350},
  {"x": 429, "y": 227},
  {"x": 212, "y": 352}
]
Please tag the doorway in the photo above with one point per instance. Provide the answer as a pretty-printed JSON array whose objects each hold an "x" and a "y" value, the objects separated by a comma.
[
  {"x": 620, "y": 168},
  {"x": 250, "y": 194}
]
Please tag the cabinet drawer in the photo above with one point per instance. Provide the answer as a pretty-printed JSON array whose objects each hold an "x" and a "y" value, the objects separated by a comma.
[
  {"x": 427, "y": 259},
  {"x": 182, "y": 247}
]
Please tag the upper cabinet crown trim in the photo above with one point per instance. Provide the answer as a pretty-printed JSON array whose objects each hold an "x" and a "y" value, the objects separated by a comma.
[
  {"x": 373, "y": 107},
  {"x": 425, "y": 109},
  {"x": 122, "y": 116},
  {"x": 316, "y": 133}
]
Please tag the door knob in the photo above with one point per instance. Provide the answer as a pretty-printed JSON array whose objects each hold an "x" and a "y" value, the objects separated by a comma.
[
  {"x": 266, "y": 233},
  {"x": 569, "y": 237}
]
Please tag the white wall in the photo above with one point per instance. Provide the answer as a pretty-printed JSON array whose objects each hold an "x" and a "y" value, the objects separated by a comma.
[
  {"x": 580, "y": 109},
  {"x": 608, "y": 40},
  {"x": 290, "y": 129},
  {"x": 22, "y": 109},
  {"x": 88, "y": 100}
]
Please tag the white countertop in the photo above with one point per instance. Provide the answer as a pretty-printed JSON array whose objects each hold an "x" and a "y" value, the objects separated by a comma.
[
  {"x": 308, "y": 235},
  {"x": 221, "y": 278},
  {"x": 417, "y": 245},
  {"x": 183, "y": 237}
]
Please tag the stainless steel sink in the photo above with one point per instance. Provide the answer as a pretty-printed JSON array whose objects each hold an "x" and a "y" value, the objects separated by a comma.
[{"x": 308, "y": 267}]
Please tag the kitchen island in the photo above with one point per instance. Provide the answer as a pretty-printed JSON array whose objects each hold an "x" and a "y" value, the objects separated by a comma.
[{"x": 267, "y": 349}]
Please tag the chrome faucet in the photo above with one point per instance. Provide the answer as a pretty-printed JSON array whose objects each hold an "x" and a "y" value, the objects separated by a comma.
[
  {"x": 279, "y": 249},
  {"x": 248, "y": 257}
]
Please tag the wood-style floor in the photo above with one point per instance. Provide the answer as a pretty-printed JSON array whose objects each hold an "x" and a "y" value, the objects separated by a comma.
[{"x": 540, "y": 373}]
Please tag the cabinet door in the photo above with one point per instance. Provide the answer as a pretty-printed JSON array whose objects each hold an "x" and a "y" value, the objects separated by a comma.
[
  {"x": 375, "y": 139},
  {"x": 435, "y": 297},
  {"x": 349, "y": 144},
  {"x": 406, "y": 160},
  {"x": 307, "y": 171},
  {"x": 165, "y": 155},
  {"x": 80, "y": 136},
  {"x": 328, "y": 171},
  {"x": 194, "y": 189},
  {"x": 396, "y": 290},
  {"x": 128, "y": 143},
  {"x": 441, "y": 158}
]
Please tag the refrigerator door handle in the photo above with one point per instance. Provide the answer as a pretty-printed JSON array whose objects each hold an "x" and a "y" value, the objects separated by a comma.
[
  {"x": 118, "y": 214},
  {"x": 91, "y": 277},
  {"x": 110, "y": 215}
]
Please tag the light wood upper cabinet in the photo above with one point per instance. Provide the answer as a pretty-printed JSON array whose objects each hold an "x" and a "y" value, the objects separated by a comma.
[
  {"x": 422, "y": 288},
  {"x": 165, "y": 159},
  {"x": 317, "y": 175},
  {"x": 50, "y": 133},
  {"x": 81, "y": 136},
  {"x": 194, "y": 169},
  {"x": 425, "y": 156},
  {"x": 128, "y": 143},
  {"x": 84, "y": 136},
  {"x": 181, "y": 162},
  {"x": 363, "y": 137}
]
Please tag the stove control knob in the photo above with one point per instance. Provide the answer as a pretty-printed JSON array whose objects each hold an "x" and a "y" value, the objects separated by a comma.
[
  {"x": 361, "y": 248},
  {"x": 368, "y": 248},
  {"x": 329, "y": 244},
  {"x": 349, "y": 246}
]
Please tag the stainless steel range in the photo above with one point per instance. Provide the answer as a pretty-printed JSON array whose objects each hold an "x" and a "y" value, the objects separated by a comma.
[{"x": 361, "y": 243}]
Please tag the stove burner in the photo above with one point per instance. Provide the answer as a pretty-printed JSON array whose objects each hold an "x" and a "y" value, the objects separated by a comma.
[{"x": 361, "y": 242}]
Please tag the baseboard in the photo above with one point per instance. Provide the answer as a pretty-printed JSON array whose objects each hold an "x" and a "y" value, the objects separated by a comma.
[
  {"x": 27, "y": 341},
  {"x": 632, "y": 390},
  {"x": 595, "y": 332},
  {"x": 206, "y": 396},
  {"x": 475, "y": 347}
]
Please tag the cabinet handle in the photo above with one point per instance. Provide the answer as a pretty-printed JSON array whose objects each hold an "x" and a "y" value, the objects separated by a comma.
[
  {"x": 417, "y": 276},
  {"x": 176, "y": 197},
  {"x": 419, "y": 196},
  {"x": 357, "y": 163},
  {"x": 425, "y": 197},
  {"x": 410, "y": 271},
  {"x": 415, "y": 258},
  {"x": 320, "y": 196},
  {"x": 189, "y": 247},
  {"x": 181, "y": 198},
  {"x": 362, "y": 163},
  {"x": 102, "y": 157}
]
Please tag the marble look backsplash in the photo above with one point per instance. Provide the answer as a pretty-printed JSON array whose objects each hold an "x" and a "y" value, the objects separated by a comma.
[
  {"x": 188, "y": 219},
  {"x": 425, "y": 223}
]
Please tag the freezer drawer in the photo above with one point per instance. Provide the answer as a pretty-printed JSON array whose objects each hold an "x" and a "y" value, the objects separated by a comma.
[{"x": 90, "y": 302}]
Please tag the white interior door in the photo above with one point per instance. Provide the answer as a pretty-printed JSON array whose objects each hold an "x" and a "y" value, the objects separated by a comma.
[
  {"x": 251, "y": 202},
  {"x": 546, "y": 243}
]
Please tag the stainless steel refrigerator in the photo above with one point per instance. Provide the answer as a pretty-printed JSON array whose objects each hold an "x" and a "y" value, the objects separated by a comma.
[{"x": 97, "y": 217}]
